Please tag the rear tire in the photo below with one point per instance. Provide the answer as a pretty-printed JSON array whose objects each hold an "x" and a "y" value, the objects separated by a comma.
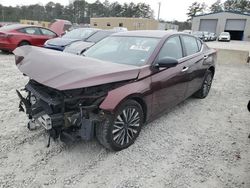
[
  {"x": 120, "y": 130},
  {"x": 23, "y": 43},
  {"x": 205, "y": 88}
]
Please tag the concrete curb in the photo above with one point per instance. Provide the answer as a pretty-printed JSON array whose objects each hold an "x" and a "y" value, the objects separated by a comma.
[{"x": 232, "y": 56}]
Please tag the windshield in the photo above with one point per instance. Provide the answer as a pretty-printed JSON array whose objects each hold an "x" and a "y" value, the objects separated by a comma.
[
  {"x": 99, "y": 35},
  {"x": 225, "y": 33},
  {"x": 123, "y": 50},
  {"x": 81, "y": 33}
]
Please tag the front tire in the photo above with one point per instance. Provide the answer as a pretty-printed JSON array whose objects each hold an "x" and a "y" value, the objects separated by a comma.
[
  {"x": 205, "y": 88},
  {"x": 120, "y": 130}
]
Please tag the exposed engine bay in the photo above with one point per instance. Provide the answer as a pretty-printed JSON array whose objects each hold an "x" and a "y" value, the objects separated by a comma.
[{"x": 68, "y": 114}]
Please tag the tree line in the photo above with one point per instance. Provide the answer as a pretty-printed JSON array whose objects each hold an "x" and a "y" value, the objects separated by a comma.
[
  {"x": 197, "y": 8},
  {"x": 79, "y": 11}
]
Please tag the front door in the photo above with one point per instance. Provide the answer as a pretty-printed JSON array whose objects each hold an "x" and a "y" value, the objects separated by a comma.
[{"x": 169, "y": 85}]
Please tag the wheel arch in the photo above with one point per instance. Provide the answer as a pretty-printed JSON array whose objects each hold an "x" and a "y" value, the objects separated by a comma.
[
  {"x": 136, "y": 97},
  {"x": 143, "y": 105},
  {"x": 24, "y": 41}
]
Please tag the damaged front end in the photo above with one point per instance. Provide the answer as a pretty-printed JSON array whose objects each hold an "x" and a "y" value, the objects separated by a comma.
[{"x": 69, "y": 114}]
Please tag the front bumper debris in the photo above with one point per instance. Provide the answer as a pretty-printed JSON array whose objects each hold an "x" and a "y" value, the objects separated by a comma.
[{"x": 67, "y": 125}]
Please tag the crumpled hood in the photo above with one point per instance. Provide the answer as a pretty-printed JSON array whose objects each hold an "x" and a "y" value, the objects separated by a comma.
[
  {"x": 60, "y": 41},
  {"x": 78, "y": 47},
  {"x": 64, "y": 71}
]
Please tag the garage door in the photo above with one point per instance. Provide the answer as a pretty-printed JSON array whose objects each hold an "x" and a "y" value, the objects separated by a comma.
[
  {"x": 208, "y": 25},
  {"x": 235, "y": 25}
]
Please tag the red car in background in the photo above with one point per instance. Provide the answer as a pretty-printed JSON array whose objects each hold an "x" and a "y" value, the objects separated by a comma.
[{"x": 16, "y": 35}]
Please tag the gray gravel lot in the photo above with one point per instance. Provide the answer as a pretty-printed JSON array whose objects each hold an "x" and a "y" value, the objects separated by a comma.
[{"x": 200, "y": 143}]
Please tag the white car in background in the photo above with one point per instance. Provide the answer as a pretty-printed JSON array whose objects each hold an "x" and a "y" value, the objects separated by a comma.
[{"x": 224, "y": 36}]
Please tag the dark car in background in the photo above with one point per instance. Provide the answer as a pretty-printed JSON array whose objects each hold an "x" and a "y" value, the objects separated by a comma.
[
  {"x": 80, "y": 34},
  {"x": 79, "y": 47},
  {"x": 206, "y": 36},
  {"x": 121, "y": 82},
  {"x": 15, "y": 35},
  {"x": 212, "y": 36}
]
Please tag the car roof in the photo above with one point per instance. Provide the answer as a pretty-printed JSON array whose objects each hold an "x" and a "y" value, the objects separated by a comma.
[
  {"x": 106, "y": 31},
  {"x": 18, "y": 26},
  {"x": 146, "y": 33}
]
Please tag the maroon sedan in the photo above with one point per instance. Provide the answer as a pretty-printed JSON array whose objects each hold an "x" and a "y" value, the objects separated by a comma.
[
  {"x": 123, "y": 82},
  {"x": 12, "y": 36}
]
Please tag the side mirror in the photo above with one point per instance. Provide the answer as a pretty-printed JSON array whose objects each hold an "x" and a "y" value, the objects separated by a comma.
[{"x": 166, "y": 62}]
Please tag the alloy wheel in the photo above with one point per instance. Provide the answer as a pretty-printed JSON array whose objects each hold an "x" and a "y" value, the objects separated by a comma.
[
  {"x": 126, "y": 126},
  {"x": 207, "y": 84}
]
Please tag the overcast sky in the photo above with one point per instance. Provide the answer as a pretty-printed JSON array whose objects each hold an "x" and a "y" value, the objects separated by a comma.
[{"x": 170, "y": 9}]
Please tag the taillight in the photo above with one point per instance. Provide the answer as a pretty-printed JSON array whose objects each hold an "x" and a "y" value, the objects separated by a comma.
[
  {"x": 18, "y": 59},
  {"x": 5, "y": 35}
]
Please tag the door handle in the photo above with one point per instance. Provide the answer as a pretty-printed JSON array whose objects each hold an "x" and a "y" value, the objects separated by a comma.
[
  {"x": 205, "y": 57},
  {"x": 184, "y": 69}
]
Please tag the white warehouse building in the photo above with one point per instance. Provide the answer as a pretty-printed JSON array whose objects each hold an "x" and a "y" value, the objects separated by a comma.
[{"x": 237, "y": 24}]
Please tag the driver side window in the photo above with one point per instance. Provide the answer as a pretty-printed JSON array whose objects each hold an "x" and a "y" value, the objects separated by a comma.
[{"x": 171, "y": 48}]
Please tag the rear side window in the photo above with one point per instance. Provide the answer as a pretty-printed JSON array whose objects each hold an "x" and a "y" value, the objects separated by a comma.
[
  {"x": 47, "y": 32},
  {"x": 171, "y": 48},
  {"x": 30, "y": 30},
  {"x": 190, "y": 45},
  {"x": 199, "y": 44}
]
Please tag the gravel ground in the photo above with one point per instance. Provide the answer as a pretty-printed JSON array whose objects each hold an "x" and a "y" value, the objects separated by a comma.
[{"x": 200, "y": 143}]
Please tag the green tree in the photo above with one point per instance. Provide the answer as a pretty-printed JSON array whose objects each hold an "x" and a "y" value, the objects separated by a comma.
[
  {"x": 183, "y": 25},
  {"x": 229, "y": 5},
  {"x": 49, "y": 8},
  {"x": 237, "y": 5},
  {"x": 195, "y": 9},
  {"x": 80, "y": 7},
  {"x": 79, "y": 11},
  {"x": 68, "y": 13},
  {"x": 115, "y": 9},
  {"x": 107, "y": 10},
  {"x": 143, "y": 10},
  {"x": 216, "y": 7}
]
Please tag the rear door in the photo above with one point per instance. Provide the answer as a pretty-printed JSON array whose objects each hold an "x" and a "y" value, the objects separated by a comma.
[
  {"x": 194, "y": 58},
  {"x": 169, "y": 85},
  {"x": 34, "y": 34}
]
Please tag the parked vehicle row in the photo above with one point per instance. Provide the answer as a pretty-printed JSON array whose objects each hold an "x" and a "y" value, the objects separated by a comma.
[
  {"x": 208, "y": 36},
  {"x": 114, "y": 87},
  {"x": 205, "y": 36},
  {"x": 75, "y": 41},
  {"x": 15, "y": 35},
  {"x": 75, "y": 35}
]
